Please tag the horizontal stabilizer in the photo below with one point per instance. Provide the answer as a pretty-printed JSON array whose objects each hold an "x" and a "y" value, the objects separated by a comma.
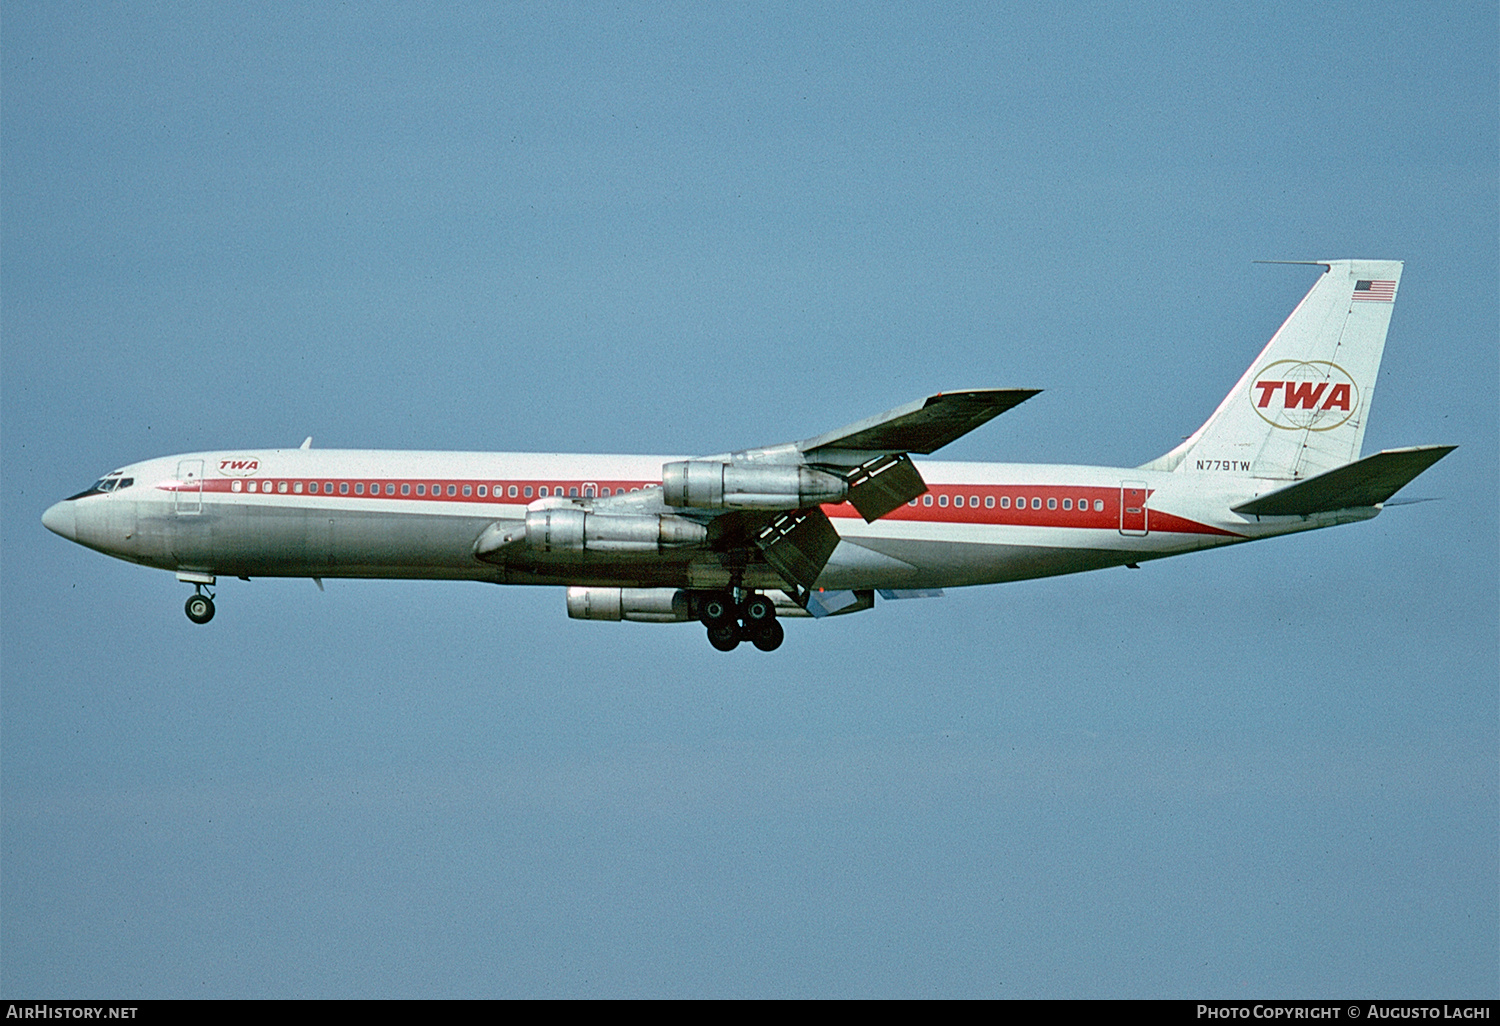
[
  {"x": 923, "y": 426},
  {"x": 1366, "y": 482}
]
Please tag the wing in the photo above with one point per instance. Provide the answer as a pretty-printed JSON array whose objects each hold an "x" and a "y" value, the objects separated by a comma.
[
  {"x": 867, "y": 463},
  {"x": 924, "y": 426},
  {"x": 758, "y": 506}
]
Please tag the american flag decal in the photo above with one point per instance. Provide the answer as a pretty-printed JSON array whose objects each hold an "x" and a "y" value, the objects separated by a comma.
[{"x": 1375, "y": 291}]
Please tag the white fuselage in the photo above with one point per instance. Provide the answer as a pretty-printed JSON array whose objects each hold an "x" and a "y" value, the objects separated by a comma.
[{"x": 393, "y": 514}]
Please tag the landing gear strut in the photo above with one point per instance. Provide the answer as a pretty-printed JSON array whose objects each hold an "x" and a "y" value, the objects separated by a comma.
[
  {"x": 752, "y": 619},
  {"x": 200, "y": 607}
]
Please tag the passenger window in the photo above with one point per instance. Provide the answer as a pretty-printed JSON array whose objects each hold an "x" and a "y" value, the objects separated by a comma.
[
  {"x": 297, "y": 487},
  {"x": 511, "y": 491},
  {"x": 1098, "y": 505},
  {"x": 468, "y": 491},
  {"x": 234, "y": 486},
  {"x": 421, "y": 489},
  {"x": 359, "y": 488},
  {"x": 1036, "y": 503},
  {"x": 483, "y": 491},
  {"x": 281, "y": 487},
  {"x": 989, "y": 502},
  {"x": 405, "y": 489},
  {"x": 1051, "y": 503},
  {"x": 312, "y": 487},
  {"x": 453, "y": 489},
  {"x": 912, "y": 502},
  {"x": 250, "y": 485},
  {"x": 572, "y": 493},
  {"x": 528, "y": 491},
  {"x": 942, "y": 500},
  {"x": 542, "y": 492},
  {"x": 1005, "y": 502},
  {"x": 588, "y": 492},
  {"x": 927, "y": 499},
  {"x": 343, "y": 487},
  {"x": 1067, "y": 504}
]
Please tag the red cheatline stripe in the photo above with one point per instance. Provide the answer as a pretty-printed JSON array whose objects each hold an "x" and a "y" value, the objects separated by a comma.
[
  {"x": 434, "y": 489},
  {"x": 1082, "y": 515}
]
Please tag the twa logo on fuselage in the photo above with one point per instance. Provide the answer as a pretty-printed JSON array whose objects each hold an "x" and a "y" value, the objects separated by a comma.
[
  {"x": 239, "y": 468},
  {"x": 1304, "y": 395}
]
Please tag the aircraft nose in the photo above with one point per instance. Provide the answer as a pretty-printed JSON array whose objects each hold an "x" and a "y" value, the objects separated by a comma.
[{"x": 60, "y": 519}]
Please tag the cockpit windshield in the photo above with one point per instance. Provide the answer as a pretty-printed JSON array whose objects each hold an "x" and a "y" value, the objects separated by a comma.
[{"x": 109, "y": 483}]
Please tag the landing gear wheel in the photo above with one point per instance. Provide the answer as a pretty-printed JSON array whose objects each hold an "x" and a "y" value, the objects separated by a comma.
[
  {"x": 718, "y": 609},
  {"x": 766, "y": 636},
  {"x": 724, "y": 636},
  {"x": 758, "y": 609},
  {"x": 199, "y": 608}
]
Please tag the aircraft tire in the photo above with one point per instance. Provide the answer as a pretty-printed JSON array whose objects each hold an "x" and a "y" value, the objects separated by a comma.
[
  {"x": 758, "y": 609},
  {"x": 718, "y": 609},
  {"x": 199, "y": 608},
  {"x": 724, "y": 636},
  {"x": 767, "y": 636}
]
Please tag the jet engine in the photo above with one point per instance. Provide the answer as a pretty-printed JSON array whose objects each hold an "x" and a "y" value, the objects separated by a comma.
[
  {"x": 705, "y": 484},
  {"x": 578, "y": 531},
  {"x": 643, "y": 605}
]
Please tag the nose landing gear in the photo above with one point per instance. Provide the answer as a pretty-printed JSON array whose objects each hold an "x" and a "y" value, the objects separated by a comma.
[
  {"x": 200, "y": 607},
  {"x": 752, "y": 619}
]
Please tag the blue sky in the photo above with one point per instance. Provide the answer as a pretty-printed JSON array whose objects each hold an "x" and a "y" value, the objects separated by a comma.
[{"x": 1270, "y": 771}]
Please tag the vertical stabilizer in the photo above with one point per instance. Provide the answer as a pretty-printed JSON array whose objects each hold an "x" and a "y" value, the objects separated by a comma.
[{"x": 1302, "y": 407}]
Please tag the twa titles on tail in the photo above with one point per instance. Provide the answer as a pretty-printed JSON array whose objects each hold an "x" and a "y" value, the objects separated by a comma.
[{"x": 739, "y": 541}]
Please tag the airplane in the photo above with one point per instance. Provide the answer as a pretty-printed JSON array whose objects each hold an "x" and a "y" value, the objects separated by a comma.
[{"x": 739, "y": 541}]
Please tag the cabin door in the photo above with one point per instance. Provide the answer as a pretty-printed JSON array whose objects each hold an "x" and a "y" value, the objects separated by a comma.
[
  {"x": 190, "y": 486},
  {"x": 1133, "y": 508}
]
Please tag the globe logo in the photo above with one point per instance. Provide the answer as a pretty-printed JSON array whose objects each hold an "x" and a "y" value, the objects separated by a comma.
[{"x": 1303, "y": 395}]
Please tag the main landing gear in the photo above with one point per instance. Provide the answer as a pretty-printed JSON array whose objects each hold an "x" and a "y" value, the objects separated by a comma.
[
  {"x": 200, "y": 607},
  {"x": 752, "y": 619}
]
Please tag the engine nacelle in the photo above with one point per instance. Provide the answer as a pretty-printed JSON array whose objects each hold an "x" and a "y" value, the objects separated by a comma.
[
  {"x": 704, "y": 484},
  {"x": 576, "y": 531},
  {"x": 643, "y": 605}
]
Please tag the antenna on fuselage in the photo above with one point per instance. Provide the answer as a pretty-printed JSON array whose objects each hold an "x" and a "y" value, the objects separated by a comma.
[{"x": 306, "y": 443}]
